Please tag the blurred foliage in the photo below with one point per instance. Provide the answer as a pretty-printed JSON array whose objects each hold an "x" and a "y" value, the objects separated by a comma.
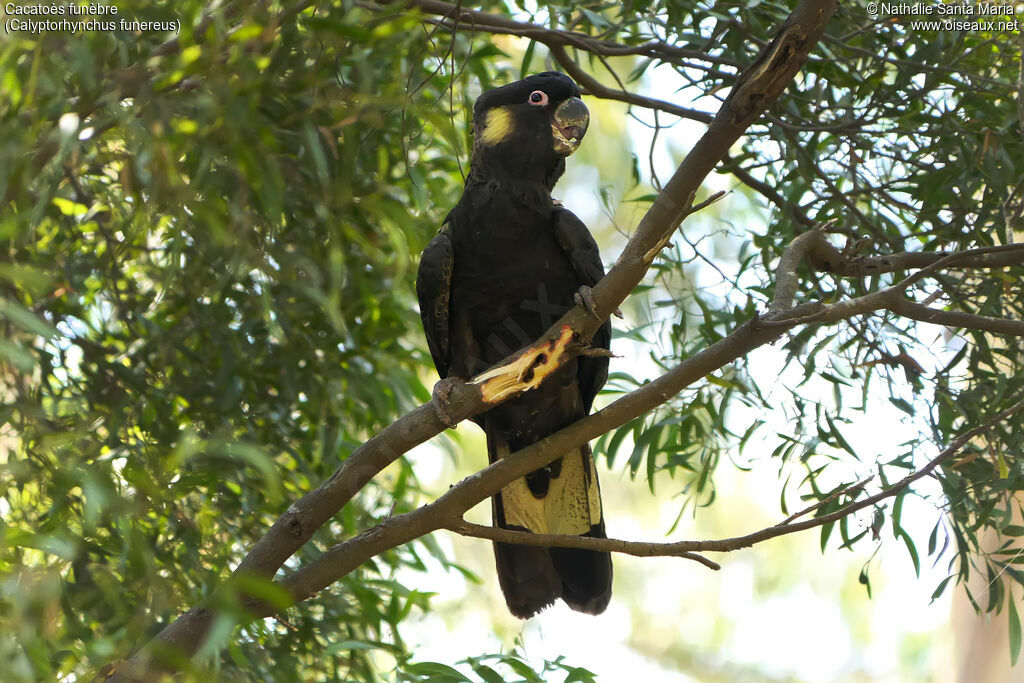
[
  {"x": 206, "y": 300},
  {"x": 208, "y": 248}
]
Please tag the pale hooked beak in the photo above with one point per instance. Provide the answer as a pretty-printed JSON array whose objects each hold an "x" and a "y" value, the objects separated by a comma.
[{"x": 569, "y": 125}]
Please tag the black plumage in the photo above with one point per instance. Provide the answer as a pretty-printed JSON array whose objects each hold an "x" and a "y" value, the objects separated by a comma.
[{"x": 504, "y": 267}]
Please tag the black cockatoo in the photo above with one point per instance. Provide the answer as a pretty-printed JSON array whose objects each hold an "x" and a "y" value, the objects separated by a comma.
[{"x": 506, "y": 264}]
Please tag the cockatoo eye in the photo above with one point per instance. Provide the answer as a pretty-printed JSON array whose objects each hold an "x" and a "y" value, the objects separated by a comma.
[{"x": 538, "y": 98}]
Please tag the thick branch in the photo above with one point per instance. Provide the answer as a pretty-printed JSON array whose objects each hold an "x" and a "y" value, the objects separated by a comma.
[
  {"x": 825, "y": 257},
  {"x": 958, "y": 319},
  {"x": 346, "y": 556},
  {"x": 787, "y": 280},
  {"x": 814, "y": 247},
  {"x": 755, "y": 90}
]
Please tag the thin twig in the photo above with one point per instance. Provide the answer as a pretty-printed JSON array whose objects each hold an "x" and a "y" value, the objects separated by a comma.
[
  {"x": 611, "y": 545},
  {"x": 825, "y": 501}
]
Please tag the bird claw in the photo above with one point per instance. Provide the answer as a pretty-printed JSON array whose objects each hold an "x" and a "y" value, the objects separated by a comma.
[
  {"x": 585, "y": 298},
  {"x": 442, "y": 390}
]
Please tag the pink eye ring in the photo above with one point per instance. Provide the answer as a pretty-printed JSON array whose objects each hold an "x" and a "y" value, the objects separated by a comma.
[{"x": 538, "y": 98}]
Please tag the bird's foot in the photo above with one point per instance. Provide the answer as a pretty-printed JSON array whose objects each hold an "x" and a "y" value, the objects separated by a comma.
[
  {"x": 442, "y": 390},
  {"x": 585, "y": 298}
]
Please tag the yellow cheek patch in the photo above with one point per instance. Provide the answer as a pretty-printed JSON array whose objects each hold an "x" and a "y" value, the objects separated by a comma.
[{"x": 498, "y": 124}]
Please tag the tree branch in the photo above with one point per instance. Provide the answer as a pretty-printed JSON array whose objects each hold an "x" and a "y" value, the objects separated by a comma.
[
  {"x": 755, "y": 89},
  {"x": 342, "y": 558},
  {"x": 958, "y": 319},
  {"x": 783, "y": 529},
  {"x": 594, "y": 87},
  {"x": 826, "y": 500},
  {"x": 825, "y": 257},
  {"x": 613, "y": 545},
  {"x": 686, "y": 548},
  {"x": 493, "y": 23},
  {"x": 813, "y": 246},
  {"x": 346, "y": 556},
  {"x": 790, "y": 209},
  {"x": 787, "y": 281}
]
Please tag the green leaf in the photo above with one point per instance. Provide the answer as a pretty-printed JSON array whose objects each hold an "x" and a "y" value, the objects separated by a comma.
[
  {"x": 1013, "y": 619},
  {"x": 579, "y": 674},
  {"x": 435, "y": 671},
  {"x": 902, "y": 405},
  {"x": 488, "y": 674},
  {"x": 865, "y": 580},
  {"x": 940, "y": 589},
  {"x": 353, "y": 645},
  {"x": 912, "y": 550},
  {"x": 524, "y": 66},
  {"x": 70, "y": 208},
  {"x": 264, "y": 589},
  {"x": 596, "y": 20},
  {"x": 897, "y": 514},
  {"x": 26, "y": 320},
  {"x": 843, "y": 443},
  {"x": 826, "y": 531},
  {"x": 18, "y": 357},
  {"x": 521, "y": 668},
  {"x": 1004, "y": 469}
]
